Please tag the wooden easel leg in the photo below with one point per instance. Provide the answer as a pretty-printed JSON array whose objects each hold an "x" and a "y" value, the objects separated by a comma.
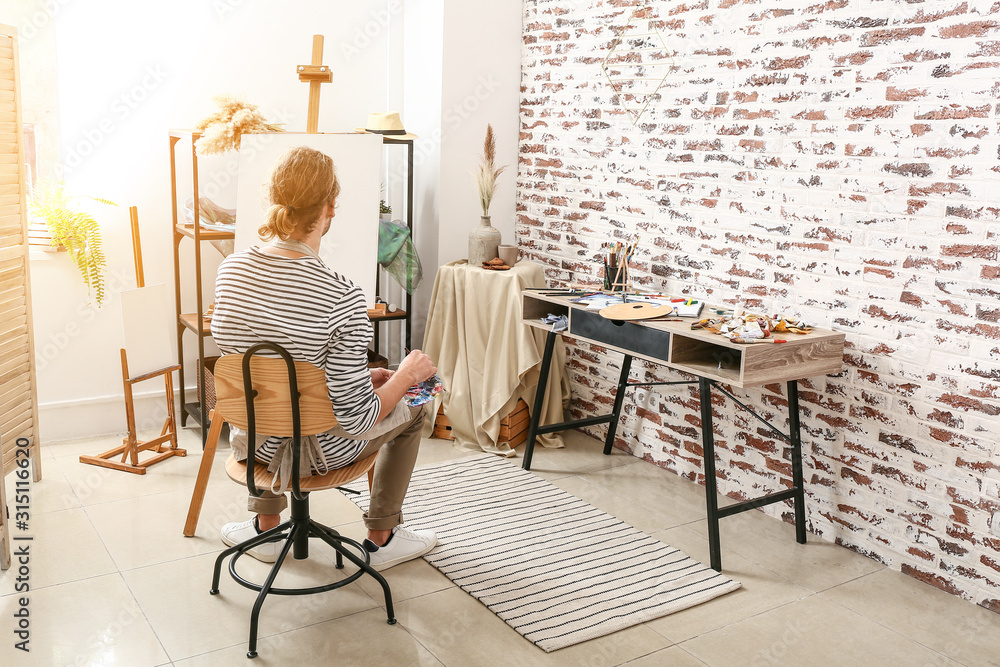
[
  {"x": 130, "y": 451},
  {"x": 204, "y": 470},
  {"x": 171, "y": 417},
  {"x": 312, "y": 113}
]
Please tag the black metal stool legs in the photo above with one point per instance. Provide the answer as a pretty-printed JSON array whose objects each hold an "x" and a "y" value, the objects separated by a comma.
[
  {"x": 300, "y": 528},
  {"x": 336, "y": 541},
  {"x": 265, "y": 589},
  {"x": 266, "y": 536}
]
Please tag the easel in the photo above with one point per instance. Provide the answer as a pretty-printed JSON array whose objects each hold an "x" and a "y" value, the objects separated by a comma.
[
  {"x": 316, "y": 74},
  {"x": 131, "y": 447}
]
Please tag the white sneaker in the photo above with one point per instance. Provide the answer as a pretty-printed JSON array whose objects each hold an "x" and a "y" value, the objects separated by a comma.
[
  {"x": 403, "y": 545},
  {"x": 241, "y": 531}
]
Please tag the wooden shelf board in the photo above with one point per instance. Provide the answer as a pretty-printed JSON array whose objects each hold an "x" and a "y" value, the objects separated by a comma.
[
  {"x": 709, "y": 369},
  {"x": 394, "y": 315},
  {"x": 190, "y": 320},
  {"x": 205, "y": 234}
]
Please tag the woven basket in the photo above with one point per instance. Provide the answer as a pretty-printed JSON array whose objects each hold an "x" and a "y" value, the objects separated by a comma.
[{"x": 206, "y": 375}]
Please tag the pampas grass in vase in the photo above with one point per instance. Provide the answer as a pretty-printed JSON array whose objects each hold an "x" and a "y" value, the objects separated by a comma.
[
  {"x": 486, "y": 177},
  {"x": 485, "y": 239},
  {"x": 221, "y": 131}
]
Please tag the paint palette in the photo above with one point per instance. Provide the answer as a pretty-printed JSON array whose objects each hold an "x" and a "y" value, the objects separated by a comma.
[{"x": 422, "y": 393}]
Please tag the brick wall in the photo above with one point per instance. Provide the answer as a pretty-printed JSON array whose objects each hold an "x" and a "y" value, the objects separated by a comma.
[{"x": 837, "y": 161}]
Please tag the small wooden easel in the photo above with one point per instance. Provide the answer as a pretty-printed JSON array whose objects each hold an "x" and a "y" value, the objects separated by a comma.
[
  {"x": 131, "y": 447},
  {"x": 316, "y": 74}
]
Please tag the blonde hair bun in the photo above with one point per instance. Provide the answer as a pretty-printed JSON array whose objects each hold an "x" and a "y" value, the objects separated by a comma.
[{"x": 301, "y": 183}]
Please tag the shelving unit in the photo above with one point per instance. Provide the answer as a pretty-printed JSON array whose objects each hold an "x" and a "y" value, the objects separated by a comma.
[
  {"x": 200, "y": 326},
  {"x": 403, "y": 314}
]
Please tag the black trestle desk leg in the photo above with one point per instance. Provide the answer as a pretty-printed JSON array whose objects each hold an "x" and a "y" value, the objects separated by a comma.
[
  {"x": 536, "y": 411},
  {"x": 609, "y": 441},
  {"x": 795, "y": 436},
  {"x": 711, "y": 491}
]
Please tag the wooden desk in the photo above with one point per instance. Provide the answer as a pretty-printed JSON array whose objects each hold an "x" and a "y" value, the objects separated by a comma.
[{"x": 715, "y": 361}]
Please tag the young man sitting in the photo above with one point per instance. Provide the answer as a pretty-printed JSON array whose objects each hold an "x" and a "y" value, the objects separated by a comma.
[{"x": 283, "y": 293}]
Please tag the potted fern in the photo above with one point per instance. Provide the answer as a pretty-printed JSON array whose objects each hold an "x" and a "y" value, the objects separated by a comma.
[{"x": 75, "y": 230}]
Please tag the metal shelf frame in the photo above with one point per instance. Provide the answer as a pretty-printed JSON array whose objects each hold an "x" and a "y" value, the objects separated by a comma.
[{"x": 387, "y": 140}]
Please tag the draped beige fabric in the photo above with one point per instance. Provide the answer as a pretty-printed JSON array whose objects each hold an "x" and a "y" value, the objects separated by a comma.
[
  {"x": 18, "y": 404},
  {"x": 486, "y": 357}
]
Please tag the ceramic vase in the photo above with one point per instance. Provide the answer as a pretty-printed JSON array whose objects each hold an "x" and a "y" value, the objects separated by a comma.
[{"x": 483, "y": 242}]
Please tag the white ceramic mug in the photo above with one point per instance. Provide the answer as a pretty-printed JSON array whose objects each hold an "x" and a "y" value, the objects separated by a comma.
[{"x": 508, "y": 253}]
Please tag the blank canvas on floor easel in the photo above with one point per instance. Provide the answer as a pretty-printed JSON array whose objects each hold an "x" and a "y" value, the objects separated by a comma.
[{"x": 147, "y": 323}]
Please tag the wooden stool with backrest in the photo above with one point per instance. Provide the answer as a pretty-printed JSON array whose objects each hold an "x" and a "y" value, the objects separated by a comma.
[{"x": 282, "y": 397}]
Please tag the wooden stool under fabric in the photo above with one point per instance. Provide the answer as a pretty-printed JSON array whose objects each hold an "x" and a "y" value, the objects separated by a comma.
[{"x": 284, "y": 398}]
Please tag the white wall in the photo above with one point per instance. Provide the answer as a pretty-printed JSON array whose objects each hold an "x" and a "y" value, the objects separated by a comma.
[
  {"x": 462, "y": 72},
  {"x": 482, "y": 85},
  {"x": 127, "y": 72},
  {"x": 423, "y": 47}
]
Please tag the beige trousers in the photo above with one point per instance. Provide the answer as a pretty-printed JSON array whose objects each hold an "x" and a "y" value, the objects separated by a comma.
[{"x": 397, "y": 455}]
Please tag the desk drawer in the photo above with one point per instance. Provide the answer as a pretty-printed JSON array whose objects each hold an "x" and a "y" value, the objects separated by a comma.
[{"x": 636, "y": 339}]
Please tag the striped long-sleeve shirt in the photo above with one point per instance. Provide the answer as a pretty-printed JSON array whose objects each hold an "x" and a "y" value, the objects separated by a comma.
[{"x": 316, "y": 314}]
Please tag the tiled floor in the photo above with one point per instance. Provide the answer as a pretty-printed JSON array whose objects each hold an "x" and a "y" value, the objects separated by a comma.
[{"x": 113, "y": 582}]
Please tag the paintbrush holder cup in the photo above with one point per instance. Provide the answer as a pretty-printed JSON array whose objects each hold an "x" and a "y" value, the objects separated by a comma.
[{"x": 613, "y": 279}]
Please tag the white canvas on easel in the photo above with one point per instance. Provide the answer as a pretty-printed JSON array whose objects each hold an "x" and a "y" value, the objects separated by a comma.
[
  {"x": 148, "y": 322},
  {"x": 351, "y": 246}
]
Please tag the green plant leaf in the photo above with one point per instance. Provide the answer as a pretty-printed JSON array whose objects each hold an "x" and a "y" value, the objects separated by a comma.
[{"x": 75, "y": 230}]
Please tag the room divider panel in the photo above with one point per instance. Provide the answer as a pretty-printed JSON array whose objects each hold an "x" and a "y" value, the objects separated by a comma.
[{"x": 18, "y": 400}]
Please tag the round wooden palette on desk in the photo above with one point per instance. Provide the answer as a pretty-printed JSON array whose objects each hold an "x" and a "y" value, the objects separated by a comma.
[{"x": 635, "y": 311}]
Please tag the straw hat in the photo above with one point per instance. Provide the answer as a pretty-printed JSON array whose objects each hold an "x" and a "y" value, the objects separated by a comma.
[{"x": 386, "y": 123}]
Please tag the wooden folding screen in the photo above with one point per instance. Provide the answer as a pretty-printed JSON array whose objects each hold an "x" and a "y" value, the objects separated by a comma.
[{"x": 18, "y": 401}]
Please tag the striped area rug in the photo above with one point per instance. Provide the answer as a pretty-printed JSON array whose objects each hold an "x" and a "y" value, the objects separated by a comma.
[{"x": 551, "y": 566}]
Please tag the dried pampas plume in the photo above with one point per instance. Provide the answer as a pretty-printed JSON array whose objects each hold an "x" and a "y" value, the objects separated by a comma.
[
  {"x": 486, "y": 176},
  {"x": 235, "y": 117}
]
